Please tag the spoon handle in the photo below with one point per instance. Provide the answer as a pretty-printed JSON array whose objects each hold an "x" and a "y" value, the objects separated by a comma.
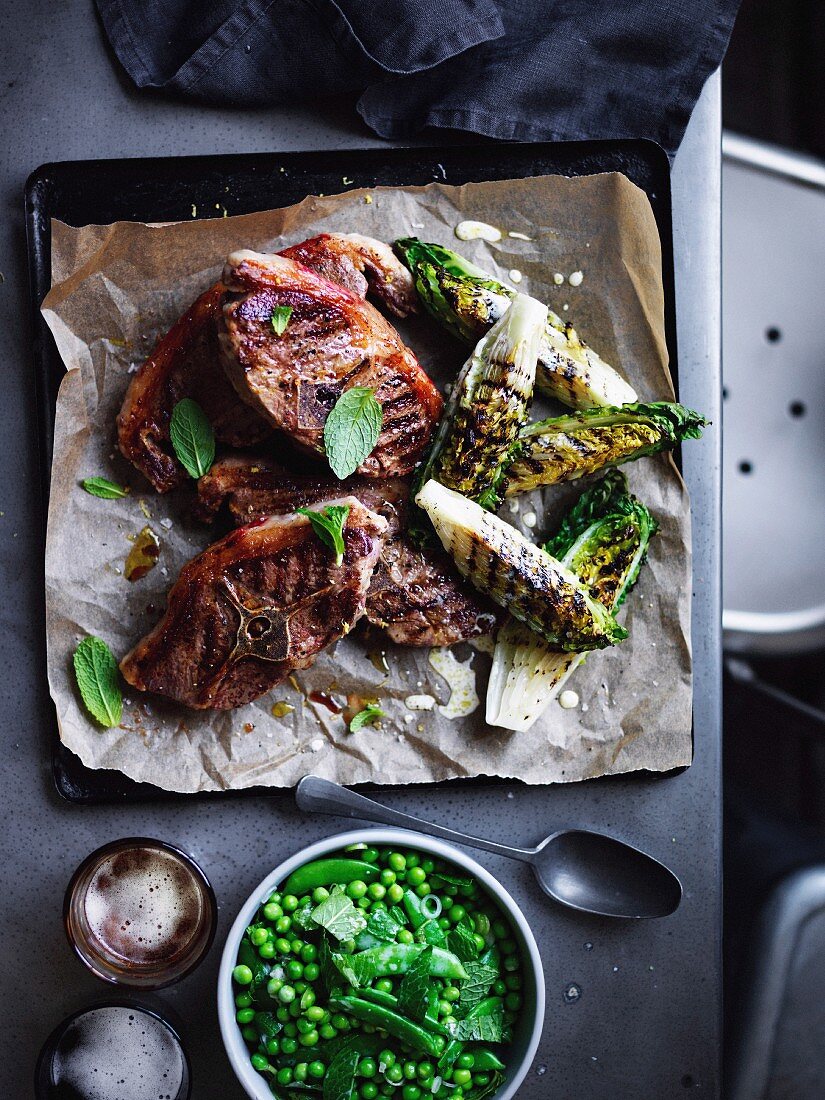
[{"x": 322, "y": 796}]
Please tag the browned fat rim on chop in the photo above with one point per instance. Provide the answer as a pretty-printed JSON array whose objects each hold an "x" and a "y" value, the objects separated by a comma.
[
  {"x": 256, "y": 605},
  {"x": 333, "y": 341}
]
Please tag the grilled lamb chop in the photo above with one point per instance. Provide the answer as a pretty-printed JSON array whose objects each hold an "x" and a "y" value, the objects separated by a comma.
[
  {"x": 262, "y": 601},
  {"x": 333, "y": 341},
  {"x": 184, "y": 363},
  {"x": 367, "y": 267},
  {"x": 416, "y": 595}
]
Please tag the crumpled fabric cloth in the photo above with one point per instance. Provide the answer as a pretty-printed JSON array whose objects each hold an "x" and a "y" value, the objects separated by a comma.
[{"x": 520, "y": 69}]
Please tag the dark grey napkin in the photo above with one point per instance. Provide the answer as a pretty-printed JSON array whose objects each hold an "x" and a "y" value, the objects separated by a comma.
[{"x": 520, "y": 69}]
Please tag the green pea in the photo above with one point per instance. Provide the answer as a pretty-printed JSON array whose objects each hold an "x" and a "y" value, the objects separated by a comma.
[
  {"x": 273, "y": 1044},
  {"x": 356, "y": 889},
  {"x": 443, "y": 922},
  {"x": 511, "y": 963},
  {"x": 258, "y": 936},
  {"x": 500, "y": 930},
  {"x": 289, "y": 1045},
  {"x": 309, "y": 953},
  {"x": 309, "y": 1038},
  {"x": 499, "y": 988},
  {"x": 479, "y": 941},
  {"x": 319, "y": 894},
  {"x": 387, "y": 878},
  {"x": 289, "y": 903},
  {"x": 295, "y": 946},
  {"x": 267, "y": 950},
  {"x": 405, "y": 936},
  {"x": 286, "y": 994},
  {"x": 512, "y": 1002},
  {"x": 250, "y": 1034},
  {"x": 413, "y": 859},
  {"x": 457, "y": 913},
  {"x": 444, "y": 1008},
  {"x": 282, "y": 1014},
  {"x": 367, "y": 1068},
  {"x": 481, "y": 1080},
  {"x": 245, "y": 1015},
  {"x": 340, "y": 1022},
  {"x": 259, "y": 1061},
  {"x": 327, "y": 1031},
  {"x": 416, "y": 875},
  {"x": 363, "y": 903},
  {"x": 368, "y": 1091},
  {"x": 311, "y": 972},
  {"x": 307, "y": 999},
  {"x": 242, "y": 974},
  {"x": 243, "y": 1000},
  {"x": 305, "y": 1026},
  {"x": 370, "y": 855},
  {"x": 376, "y": 891},
  {"x": 428, "y": 866},
  {"x": 409, "y": 1070},
  {"x": 447, "y": 903},
  {"x": 301, "y": 987},
  {"x": 315, "y": 1013},
  {"x": 387, "y": 1089},
  {"x": 284, "y": 1076},
  {"x": 465, "y": 1061},
  {"x": 274, "y": 898},
  {"x": 317, "y": 1069},
  {"x": 384, "y": 985},
  {"x": 423, "y": 890},
  {"x": 396, "y": 861},
  {"x": 272, "y": 911},
  {"x": 348, "y": 946},
  {"x": 462, "y": 1077},
  {"x": 513, "y": 981},
  {"x": 395, "y": 894},
  {"x": 283, "y": 925},
  {"x": 411, "y": 1092},
  {"x": 387, "y": 1058},
  {"x": 282, "y": 946},
  {"x": 507, "y": 946},
  {"x": 294, "y": 970},
  {"x": 425, "y": 1071},
  {"x": 451, "y": 993},
  {"x": 301, "y": 1070},
  {"x": 394, "y": 1074},
  {"x": 481, "y": 923}
]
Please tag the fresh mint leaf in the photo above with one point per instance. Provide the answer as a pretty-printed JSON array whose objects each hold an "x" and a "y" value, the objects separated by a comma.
[
  {"x": 431, "y": 932},
  {"x": 462, "y": 943},
  {"x": 95, "y": 670},
  {"x": 304, "y": 919},
  {"x": 475, "y": 987},
  {"x": 340, "y": 917},
  {"x": 413, "y": 1000},
  {"x": 481, "y": 1029},
  {"x": 453, "y": 880},
  {"x": 328, "y": 525},
  {"x": 339, "y": 1079},
  {"x": 268, "y": 1024},
  {"x": 366, "y": 717},
  {"x": 398, "y": 915},
  {"x": 280, "y": 319},
  {"x": 103, "y": 488},
  {"x": 382, "y": 926},
  {"x": 352, "y": 430},
  {"x": 192, "y": 437}
]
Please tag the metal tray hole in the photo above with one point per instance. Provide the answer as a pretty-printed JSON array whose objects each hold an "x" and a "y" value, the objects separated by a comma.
[
  {"x": 773, "y": 335},
  {"x": 797, "y": 409},
  {"x": 745, "y": 467}
]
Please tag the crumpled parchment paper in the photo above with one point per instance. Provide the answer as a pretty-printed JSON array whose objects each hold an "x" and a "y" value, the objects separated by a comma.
[{"x": 116, "y": 288}]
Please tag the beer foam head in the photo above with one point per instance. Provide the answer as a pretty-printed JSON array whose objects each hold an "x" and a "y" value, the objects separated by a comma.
[
  {"x": 118, "y": 1053},
  {"x": 143, "y": 906}
]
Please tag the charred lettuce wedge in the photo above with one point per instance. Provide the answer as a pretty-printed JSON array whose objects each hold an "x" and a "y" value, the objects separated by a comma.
[
  {"x": 467, "y": 301},
  {"x": 564, "y": 448},
  {"x": 488, "y": 405},
  {"x": 535, "y": 587},
  {"x": 603, "y": 540}
]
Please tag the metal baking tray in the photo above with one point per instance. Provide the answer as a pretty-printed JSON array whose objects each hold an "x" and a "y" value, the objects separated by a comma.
[{"x": 169, "y": 188}]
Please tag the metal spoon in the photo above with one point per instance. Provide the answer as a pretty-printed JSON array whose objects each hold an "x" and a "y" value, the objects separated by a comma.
[{"x": 578, "y": 868}]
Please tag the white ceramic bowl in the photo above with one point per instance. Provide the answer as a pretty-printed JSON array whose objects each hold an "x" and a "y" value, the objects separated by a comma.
[{"x": 525, "y": 1041}]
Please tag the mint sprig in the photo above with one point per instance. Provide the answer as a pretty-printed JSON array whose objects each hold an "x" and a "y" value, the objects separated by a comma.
[
  {"x": 95, "y": 670},
  {"x": 192, "y": 437},
  {"x": 103, "y": 488},
  {"x": 328, "y": 525},
  {"x": 352, "y": 430},
  {"x": 366, "y": 717},
  {"x": 280, "y": 319}
]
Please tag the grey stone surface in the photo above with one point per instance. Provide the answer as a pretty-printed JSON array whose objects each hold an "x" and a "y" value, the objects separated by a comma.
[{"x": 647, "y": 1023}]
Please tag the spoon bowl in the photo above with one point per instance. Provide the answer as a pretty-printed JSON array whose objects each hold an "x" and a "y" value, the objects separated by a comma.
[
  {"x": 599, "y": 874},
  {"x": 583, "y": 870}
]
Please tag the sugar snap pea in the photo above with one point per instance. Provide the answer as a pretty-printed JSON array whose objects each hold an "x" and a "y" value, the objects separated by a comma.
[
  {"x": 328, "y": 872},
  {"x": 392, "y": 1023},
  {"x": 387, "y": 1000},
  {"x": 396, "y": 958},
  {"x": 485, "y": 1060}
]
